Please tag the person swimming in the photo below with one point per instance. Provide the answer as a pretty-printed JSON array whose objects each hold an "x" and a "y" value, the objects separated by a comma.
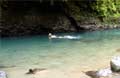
[
  {"x": 51, "y": 36},
  {"x": 63, "y": 37}
]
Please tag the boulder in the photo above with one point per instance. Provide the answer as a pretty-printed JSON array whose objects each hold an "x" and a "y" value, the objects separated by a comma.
[
  {"x": 115, "y": 64},
  {"x": 3, "y": 74},
  {"x": 104, "y": 72}
]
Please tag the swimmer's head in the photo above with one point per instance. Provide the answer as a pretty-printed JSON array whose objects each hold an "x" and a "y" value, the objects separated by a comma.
[{"x": 49, "y": 34}]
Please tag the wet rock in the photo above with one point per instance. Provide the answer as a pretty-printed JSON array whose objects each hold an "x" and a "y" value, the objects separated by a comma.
[
  {"x": 92, "y": 74},
  {"x": 3, "y": 74},
  {"x": 99, "y": 74},
  {"x": 115, "y": 64},
  {"x": 34, "y": 71},
  {"x": 104, "y": 72}
]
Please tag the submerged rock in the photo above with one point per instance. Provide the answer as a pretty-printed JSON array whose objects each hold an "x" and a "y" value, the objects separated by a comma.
[
  {"x": 115, "y": 64},
  {"x": 92, "y": 74},
  {"x": 34, "y": 71},
  {"x": 3, "y": 74},
  {"x": 118, "y": 50},
  {"x": 2, "y": 66}
]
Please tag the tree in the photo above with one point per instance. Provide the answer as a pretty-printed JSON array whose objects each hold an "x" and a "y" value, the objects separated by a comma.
[{"x": 107, "y": 8}]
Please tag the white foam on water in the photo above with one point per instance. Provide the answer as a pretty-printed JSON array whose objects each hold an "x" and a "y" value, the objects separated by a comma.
[{"x": 66, "y": 37}]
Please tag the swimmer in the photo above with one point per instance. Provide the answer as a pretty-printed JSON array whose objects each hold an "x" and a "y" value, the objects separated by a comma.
[
  {"x": 63, "y": 37},
  {"x": 51, "y": 36}
]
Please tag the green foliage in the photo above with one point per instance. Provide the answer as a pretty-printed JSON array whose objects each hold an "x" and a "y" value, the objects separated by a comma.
[
  {"x": 107, "y": 8},
  {"x": 74, "y": 10},
  {"x": 83, "y": 9},
  {"x": 79, "y": 9},
  {"x": 107, "y": 11}
]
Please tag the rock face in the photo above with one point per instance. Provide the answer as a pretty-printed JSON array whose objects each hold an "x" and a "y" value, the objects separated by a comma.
[
  {"x": 3, "y": 74},
  {"x": 39, "y": 25},
  {"x": 28, "y": 18},
  {"x": 32, "y": 17},
  {"x": 115, "y": 64}
]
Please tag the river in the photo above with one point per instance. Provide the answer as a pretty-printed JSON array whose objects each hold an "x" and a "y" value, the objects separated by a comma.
[{"x": 62, "y": 58}]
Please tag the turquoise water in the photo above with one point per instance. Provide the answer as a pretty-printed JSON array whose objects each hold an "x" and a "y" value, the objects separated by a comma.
[{"x": 22, "y": 53}]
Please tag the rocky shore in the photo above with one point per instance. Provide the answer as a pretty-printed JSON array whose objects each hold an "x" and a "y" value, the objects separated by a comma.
[
  {"x": 43, "y": 24},
  {"x": 22, "y": 30}
]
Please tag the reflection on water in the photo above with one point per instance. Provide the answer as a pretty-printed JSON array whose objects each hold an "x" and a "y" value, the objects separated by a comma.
[{"x": 39, "y": 51}]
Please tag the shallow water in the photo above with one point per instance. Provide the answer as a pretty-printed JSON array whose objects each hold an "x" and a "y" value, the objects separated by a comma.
[{"x": 59, "y": 56}]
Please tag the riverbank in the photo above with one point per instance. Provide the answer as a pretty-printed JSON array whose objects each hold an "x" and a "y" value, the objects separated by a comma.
[
  {"x": 100, "y": 27},
  {"x": 21, "y": 30}
]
